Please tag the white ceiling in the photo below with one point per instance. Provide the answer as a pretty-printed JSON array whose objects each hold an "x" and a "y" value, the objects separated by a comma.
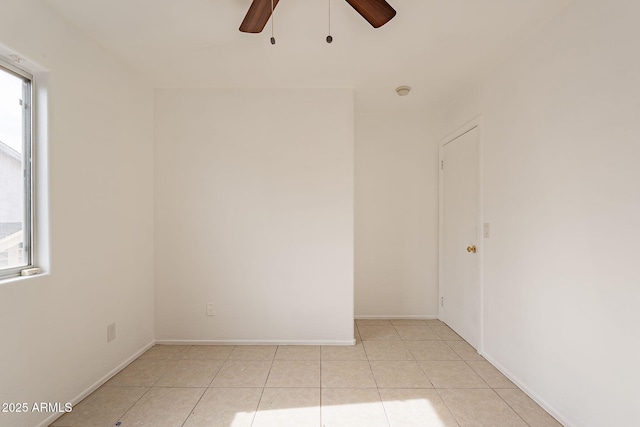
[{"x": 439, "y": 47}]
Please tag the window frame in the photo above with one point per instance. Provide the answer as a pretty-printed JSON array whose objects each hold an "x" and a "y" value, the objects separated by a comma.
[{"x": 28, "y": 170}]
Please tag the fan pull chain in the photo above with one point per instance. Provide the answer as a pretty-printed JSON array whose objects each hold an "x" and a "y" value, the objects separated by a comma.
[
  {"x": 329, "y": 38},
  {"x": 273, "y": 39}
]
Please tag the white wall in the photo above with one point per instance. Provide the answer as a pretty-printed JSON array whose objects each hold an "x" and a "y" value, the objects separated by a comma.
[
  {"x": 53, "y": 327},
  {"x": 561, "y": 178},
  {"x": 254, "y": 213},
  {"x": 396, "y": 193}
]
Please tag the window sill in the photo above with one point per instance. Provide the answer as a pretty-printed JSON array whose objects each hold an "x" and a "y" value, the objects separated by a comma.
[{"x": 5, "y": 280}]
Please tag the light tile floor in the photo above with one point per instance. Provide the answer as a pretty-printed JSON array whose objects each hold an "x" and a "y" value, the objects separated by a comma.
[{"x": 401, "y": 373}]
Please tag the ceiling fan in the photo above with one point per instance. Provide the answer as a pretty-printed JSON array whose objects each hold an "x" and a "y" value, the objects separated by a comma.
[{"x": 376, "y": 12}]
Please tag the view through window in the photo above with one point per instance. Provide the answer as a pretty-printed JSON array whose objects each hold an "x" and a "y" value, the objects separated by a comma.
[{"x": 15, "y": 170}]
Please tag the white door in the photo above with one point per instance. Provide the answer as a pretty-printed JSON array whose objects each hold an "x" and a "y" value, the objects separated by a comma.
[{"x": 460, "y": 279}]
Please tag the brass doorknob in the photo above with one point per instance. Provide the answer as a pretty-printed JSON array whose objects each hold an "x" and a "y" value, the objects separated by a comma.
[{"x": 471, "y": 249}]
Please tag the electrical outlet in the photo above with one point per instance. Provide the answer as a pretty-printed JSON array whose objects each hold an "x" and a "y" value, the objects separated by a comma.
[
  {"x": 111, "y": 332},
  {"x": 210, "y": 310}
]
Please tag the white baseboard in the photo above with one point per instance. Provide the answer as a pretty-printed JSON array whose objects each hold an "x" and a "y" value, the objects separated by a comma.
[
  {"x": 257, "y": 342},
  {"x": 533, "y": 395},
  {"x": 98, "y": 383},
  {"x": 396, "y": 317}
]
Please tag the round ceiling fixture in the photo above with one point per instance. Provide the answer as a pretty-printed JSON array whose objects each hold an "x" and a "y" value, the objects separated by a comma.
[{"x": 403, "y": 90}]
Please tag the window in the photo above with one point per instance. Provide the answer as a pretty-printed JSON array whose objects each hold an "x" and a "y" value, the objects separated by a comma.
[{"x": 16, "y": 192}]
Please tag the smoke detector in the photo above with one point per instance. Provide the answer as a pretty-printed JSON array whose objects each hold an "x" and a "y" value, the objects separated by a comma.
[{"x": 403, "y": 90}]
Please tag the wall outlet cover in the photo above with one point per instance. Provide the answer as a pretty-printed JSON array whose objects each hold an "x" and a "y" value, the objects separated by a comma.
[{"x": 111, "y": 332}]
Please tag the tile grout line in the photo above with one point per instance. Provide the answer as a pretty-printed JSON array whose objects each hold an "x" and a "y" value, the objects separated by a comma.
[
  {"x": 447, "y": 406},
  {"x": 516, "y": 412},
  {"x": 174, "y": 361},
  {"x": 479, "y": 376},
  {"x": 220, "y": 368},
  {"x": 437, "y": 390},
  {"x": 454, "y": 350},
  {"x": 264, "y": 386},
  {"x": 489, "y": 387},
  {"x": 125, "y": 411},
  {"x": 194, "y": 407},
  {"x": 422, "y": 370},
  {"x": 376, "y": 383},
  {"x": 148, "y": 389},
  {"x": 207, "y": 388}
]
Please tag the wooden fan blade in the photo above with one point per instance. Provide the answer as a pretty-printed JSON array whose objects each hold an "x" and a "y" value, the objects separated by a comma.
[
  {"x": 257, "y": 16},
  {"x": 377, "y": 12}
]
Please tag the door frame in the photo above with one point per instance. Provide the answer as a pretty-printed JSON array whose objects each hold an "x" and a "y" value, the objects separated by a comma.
[{"x": 467, "y": 127}]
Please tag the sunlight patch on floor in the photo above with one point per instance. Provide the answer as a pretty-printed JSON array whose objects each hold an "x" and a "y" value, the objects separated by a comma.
[{"x": 411, "y": 412}]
